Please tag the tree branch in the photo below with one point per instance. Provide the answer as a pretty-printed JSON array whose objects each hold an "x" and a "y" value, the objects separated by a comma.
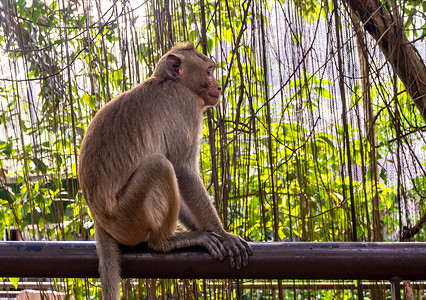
[{"x": 394, "y": 44}]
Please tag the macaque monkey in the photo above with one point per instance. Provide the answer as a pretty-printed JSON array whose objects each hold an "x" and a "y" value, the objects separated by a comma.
[{"x": 138, "y": 167}]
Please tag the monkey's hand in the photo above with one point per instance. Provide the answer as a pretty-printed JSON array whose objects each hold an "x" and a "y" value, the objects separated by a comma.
[
  {"x": 237, "y": 249},
  {"x": 213, "y": 243},
  {"x": 207, "y": 239}
]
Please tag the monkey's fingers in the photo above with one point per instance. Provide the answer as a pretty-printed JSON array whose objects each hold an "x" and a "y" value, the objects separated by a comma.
[
  {"x": 221, "y": 239},
  {"x": 247, "y": 247},
  {"x": 245, "y": 250},
  {"x": 238, "y": 250},
  {"x": 243, "y": 254},
  {"x": 221, "y": 246},
  {"x": 218, "y": 236},
  {"x": 212, "y": 242},
  {"x": 218, "y": 243},
  {"x": 234, "y": 256}
]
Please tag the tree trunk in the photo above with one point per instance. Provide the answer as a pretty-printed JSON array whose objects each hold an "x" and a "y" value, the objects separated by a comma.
[{"x": 394, "y": 44}]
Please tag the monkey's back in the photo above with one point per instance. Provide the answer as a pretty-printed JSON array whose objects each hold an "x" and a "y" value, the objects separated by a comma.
[{"x": 138, "y": 123}]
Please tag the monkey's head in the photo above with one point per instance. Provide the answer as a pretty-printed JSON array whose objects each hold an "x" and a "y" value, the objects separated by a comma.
[{"x": 194, "y": 70}]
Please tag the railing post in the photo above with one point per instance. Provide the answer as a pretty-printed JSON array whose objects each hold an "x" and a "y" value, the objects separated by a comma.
[{"x": 396, "y": 288}]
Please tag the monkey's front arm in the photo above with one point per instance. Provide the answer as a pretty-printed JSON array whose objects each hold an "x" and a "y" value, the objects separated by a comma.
[{"x": 199, "y": 204}]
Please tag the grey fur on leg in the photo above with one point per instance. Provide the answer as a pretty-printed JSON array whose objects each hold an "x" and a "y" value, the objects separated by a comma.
[{"x": 109, "y": 264}]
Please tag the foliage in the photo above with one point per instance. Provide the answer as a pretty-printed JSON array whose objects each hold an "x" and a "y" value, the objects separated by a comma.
[{"x": 286, "y": 162}]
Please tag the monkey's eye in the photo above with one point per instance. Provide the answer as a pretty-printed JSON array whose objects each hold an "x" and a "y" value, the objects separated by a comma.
[{"x": 209, "y": 72}]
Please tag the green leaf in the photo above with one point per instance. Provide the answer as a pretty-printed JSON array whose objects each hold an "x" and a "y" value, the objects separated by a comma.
[
  {"x": 89, "y": 100},
  {"x": 74, "y": 169},
  {"x": 323, "y": 92},
  {"x": 21, "y": 4},
  {"x": 383, "y": 174},
  {"x": 35, "y": 16},
  {"x": 58, "y": 42},
  {"x": 39, "y": 165},
  {"x": 14, "y": 281},
  {"x": 326, "y": 138}
]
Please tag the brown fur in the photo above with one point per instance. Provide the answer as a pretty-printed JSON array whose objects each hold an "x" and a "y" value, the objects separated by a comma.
[{"x": 139, "y": 160}]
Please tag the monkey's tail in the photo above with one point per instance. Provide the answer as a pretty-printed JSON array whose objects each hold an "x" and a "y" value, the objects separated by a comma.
[{"x": 109, "y": 264}]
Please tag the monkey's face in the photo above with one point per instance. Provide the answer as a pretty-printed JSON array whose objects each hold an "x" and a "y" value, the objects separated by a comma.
[
  {"x": 210, "y": 90},
  {"x": 193, "y": 70}
]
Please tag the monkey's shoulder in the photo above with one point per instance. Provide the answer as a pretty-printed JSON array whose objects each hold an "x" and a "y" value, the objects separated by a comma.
[
  {"x": 154, "y": 94},
  {"x": 148, "y": 93}
]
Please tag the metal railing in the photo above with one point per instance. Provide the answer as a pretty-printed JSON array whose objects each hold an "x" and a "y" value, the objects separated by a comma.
[{"x": 299, "y": 260}]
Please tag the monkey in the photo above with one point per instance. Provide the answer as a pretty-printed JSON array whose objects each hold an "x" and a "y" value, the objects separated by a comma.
[{"x": 139, "y": 167}]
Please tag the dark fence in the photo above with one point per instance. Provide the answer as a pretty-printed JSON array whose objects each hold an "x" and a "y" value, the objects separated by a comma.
[{"x": 368, "y": 261}]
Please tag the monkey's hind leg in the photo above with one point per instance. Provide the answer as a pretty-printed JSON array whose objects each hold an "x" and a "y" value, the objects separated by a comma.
[{"x": 109, "y": 264}]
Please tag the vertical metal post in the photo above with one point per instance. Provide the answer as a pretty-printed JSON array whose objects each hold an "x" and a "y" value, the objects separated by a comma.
[
  {"x": 396, "y": 288},
  {"x": 359, "y": 289}
]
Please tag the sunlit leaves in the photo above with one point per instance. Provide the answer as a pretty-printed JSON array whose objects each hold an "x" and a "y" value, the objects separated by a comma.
[
  {"x": 14, "y": 281},
  {"x": 313, "y": 9},
  {"x": 89, "y": 100},
  {"x": 282, "y": 150},
  {"x": 311, "y": 89}
]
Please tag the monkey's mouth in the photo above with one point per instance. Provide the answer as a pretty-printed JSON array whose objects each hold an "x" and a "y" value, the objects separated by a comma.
[
  {"x": 212, "y": 99},
  {"x": 216, "y": 96}
]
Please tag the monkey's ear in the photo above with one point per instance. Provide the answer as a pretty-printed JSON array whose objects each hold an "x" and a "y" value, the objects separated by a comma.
[{"x": 174, "y": 66}]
